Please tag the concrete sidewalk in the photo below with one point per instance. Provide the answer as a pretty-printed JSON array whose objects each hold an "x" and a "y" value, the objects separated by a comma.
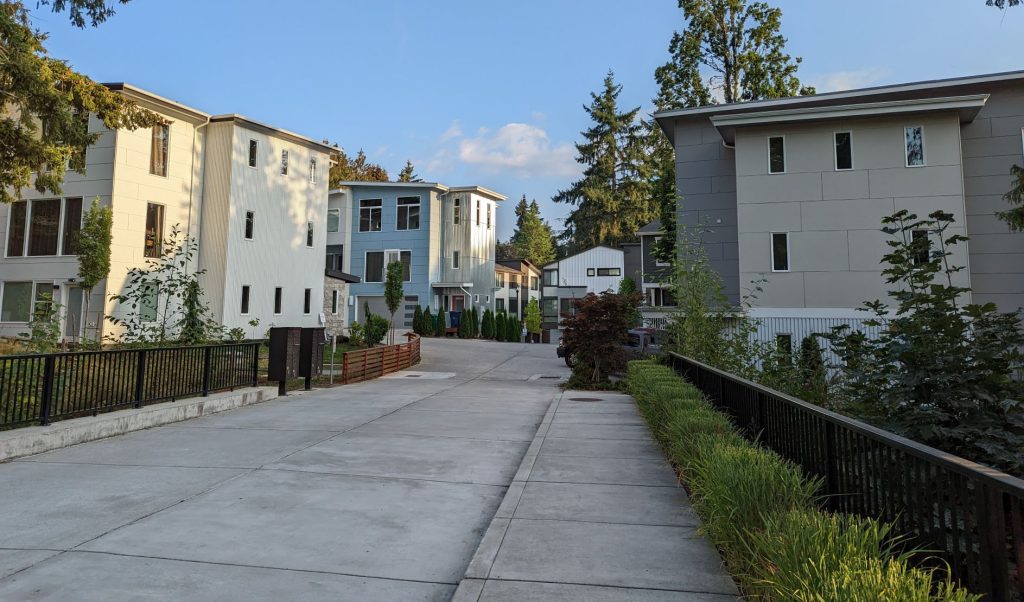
[
  {"x": 595, "y": 513},
  {"x": 375, "y": 491}
]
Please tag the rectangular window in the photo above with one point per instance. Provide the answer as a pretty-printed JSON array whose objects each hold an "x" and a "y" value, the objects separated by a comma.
[
  {"x": 457, "y": 212},
  {"x": 455, "y": 260},
  {"x": 307, "y": 296},
  {"x": 609, "y": 271},
  {"x": 16, "y": 232},
  {"x": 17, "y": 302},
  {"x": 590, "y": 271},
  {"x": 250, "y": 224},
  {"x": 844, "y": 151},
  {"x": 499, "y": 279},
  {"x": 408, "y": 213},
  {"x": 44, "y": 223},
  {"x": 551, "y": 277},
  {"x": 549, "y": 308},
  {"x": 333, "y": 220},
  {"x": 406, "y": 259},
  {"x": 499, "y": 305},
  {"x": 278, "y": 300},
  {"x": 565, "y": 306},
  {"x": 914, "y": 143},
  {"x": 158, "y": 149},
  {"x": 72, "y": 225},
  {"x": 780, "y": 251},
  {"x": 476, "y": 298},
  {"x": 776, "y": 154},
  {"x": 154, "y": 230},
  {"x": 148, "y": 302},
  {"x": 534, "y": 283},
  {"x": 921, "y": 246},
  {"x": 312, "y": 171},
  {"x": 284, "y": 163},
  {"x": 334, "y": 302},
  {"x": 373, "y": 270},
  {"x": 488, "y": 216},
  {"x": 335, "y": 257},
  {"x": 478, "y": 212},
  {"x": 309, "y": 234},
  {"x": 253, "y": 152},
  {"x": 369, "y": 215},
  {"x": 657, "y": 262},
  {"x": 245, "y": 299},
  {"x": 513, "y": 281}
]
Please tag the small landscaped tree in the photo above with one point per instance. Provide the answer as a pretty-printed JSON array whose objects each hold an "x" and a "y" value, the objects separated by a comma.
[
  {"x": 514, "y": 330},
  {"x": 417, "y": 320},
  {"x": 428, "y": 323},
  {"x": 393, "y": 294},
  {"x": 533, "y": 318},
  {"x": 499, "y": 326},
  {"x": 487, "y": 324},
  {"x": 596, "y": 331},
  {"x": 440, "y": 326},
  {"x": 93, "y": 247}
]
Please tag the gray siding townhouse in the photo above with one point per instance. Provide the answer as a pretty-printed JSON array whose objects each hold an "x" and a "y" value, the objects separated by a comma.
[
  {"x": 793, "y": 191},
  {"x": 516, "y": 282}
]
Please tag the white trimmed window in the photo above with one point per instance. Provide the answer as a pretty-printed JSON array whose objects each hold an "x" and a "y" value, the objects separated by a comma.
[
  {"x": 780, "y": 251},
  {"x": 370, "y": 215},
  {"x": 457, "y": 211},
  {"x": 245, "y": 300},
  {"x": 913, "y": 141},
  {"x": 408, "y": 213},
  {"x": 284, "y": 163},
  {"x": 844, "y": 151},
  {"x": 312, "y": 171},
  {"x": 333, "y": 220},
  {"x": 776, "y": 154},
  {"x": 334, "y": 302},
  {"x": 254, "y": 148}
]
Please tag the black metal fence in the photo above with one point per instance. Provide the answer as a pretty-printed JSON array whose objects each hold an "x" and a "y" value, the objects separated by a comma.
[
  {"x": 969, "y": 515},
  {"x": 38, "y": 389}
]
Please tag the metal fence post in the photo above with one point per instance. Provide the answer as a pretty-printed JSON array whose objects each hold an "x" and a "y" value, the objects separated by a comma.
[
  {"x": 47, "y": 395},
  {"x": 207, "y": 353},
  {"x": 831, "y": 472},
  {"x": 140, "y": 378},
  {"x": 256, "y": 363}
]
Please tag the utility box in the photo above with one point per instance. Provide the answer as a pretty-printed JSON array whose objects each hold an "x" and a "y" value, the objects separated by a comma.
[
  {"x": 311, "y": 354},
  {"x": 285, "y": 355}
]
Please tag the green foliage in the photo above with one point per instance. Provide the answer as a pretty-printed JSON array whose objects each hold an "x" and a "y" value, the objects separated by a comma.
[
  {"x": 500, "y": 326},
  {"x": 439, "y": 323},
  {"x": 408, "y": 173},
  {"x": 612, "y": 199},
  {"x": 196, "y": 325},
  {"x": 428, "y": 327},
  {"x": 44, "y": 328},
  {"x": 596, "y": 331},
  {"x": 92, "y": 245},
  {"x": 463, "y": 331},
  {"x": 532, "y": 238},
  {"x": 1015, "y": 216},
  {"x": 393, "y": 291},
  {"x": 44, "y": 124},
  {"x": 417, "y": 320},
  {"x": 533, "y": 318},
  {"x": 812, "y": 371},
  {"x": 487, "y": 325},
  {"x": 762, "y": 514},
  {"x": 941, "y": 371},
  {"x": 374, "y": 329},
  {"x": 236, "y": 334},
  {"x": 513, "y": 330},
  {"x": 627, "y": 286},
  {"x": 346, "y": 169},
  {"x": 1002, "y": 3}
]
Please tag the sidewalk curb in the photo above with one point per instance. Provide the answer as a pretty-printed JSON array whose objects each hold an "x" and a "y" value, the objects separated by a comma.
[
  {"x": 31, "y": 440},
  {"x": 472, "y": 583}
]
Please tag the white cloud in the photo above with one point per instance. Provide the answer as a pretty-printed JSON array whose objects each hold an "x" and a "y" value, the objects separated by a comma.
[
  {"x": 525, "y": 149},
  {"x": 849, "y": 80},
  {"x": 453, "y": 131}
]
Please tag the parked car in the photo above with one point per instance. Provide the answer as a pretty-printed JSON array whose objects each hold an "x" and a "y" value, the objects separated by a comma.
[{"x": 641, "y": 342}]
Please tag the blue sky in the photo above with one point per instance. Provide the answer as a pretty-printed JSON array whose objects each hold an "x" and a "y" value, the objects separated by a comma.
[{"x": 477, "y": 92}]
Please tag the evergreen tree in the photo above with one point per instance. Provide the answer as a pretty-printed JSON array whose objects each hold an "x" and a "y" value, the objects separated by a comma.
[
  {"x": 513, "y": 330},
  {"x": 1015, "y": 216},
  {"x": 532, "y": 239},
  {"x": 732, "y": 49},
  {"x": 499, "y": 327},
  {"x": 417, "y": 320},
  {"x": 346, "y": 169},
  {"x": 429, "y": 328},
  {"x": 408, "y": 173},
  {"x": 440, "y": 326},
  {"x": 505, "y": 250},
  {"x": 612, "y": 199}
]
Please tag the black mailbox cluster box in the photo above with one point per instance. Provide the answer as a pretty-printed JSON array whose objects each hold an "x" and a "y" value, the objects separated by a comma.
[
  {"x": 311, "y": 356},
  {"x": 285, "y": 355}
]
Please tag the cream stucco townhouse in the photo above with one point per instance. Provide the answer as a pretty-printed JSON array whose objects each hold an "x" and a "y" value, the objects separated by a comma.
[
  {"x": 793, "y": 190},
  {"x": 254, "y": 197}
]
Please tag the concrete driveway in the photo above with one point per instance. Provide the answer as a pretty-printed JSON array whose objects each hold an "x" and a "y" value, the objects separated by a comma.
[{"x": 375, "y": 491}]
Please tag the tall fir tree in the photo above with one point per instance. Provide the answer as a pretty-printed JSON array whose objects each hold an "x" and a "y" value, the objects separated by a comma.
[
  {"x": 408, "y": 173},
  {"x": 730, "y": 50},
  {"x": 359, "y": 169},
  {"x": 612, "y": 199},
  {"x": 532, "y": 238}
]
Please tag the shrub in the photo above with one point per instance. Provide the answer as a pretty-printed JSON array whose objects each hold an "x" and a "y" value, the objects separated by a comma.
[
  {"x": 499, "y": 326},
  {"x": 439, "y": 323},
  {"x": 487, "y": 325},
  {"x": 596, "y": 330},
  {"x": 375, "y": 329},
  {"x": 427, "y": 327},
  {"x": 417, "y": 320}
]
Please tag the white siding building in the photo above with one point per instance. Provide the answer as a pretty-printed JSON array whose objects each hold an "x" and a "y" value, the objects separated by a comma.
[{"x": 595, "y": 270}]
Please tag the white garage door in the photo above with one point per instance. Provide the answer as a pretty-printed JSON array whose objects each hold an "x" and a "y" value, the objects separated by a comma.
[{"x": 403, "y": 317}]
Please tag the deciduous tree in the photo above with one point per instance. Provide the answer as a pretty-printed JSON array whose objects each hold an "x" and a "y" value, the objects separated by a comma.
[
  {"x": 393, "y": 293},
  {"x": 93, "y": 248}
]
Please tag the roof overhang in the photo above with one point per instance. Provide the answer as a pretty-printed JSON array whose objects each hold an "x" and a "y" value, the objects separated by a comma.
[
  {"x": 967, "y": 108},
  {"x": 155, "y": 102},
  {"x": 273, "y": 131},
  {"x": 479, "y": 190},
  {"x": 343, "y": 276},
  {"x": 451, "y": 284},
  {"x": 428, "y": 185}
]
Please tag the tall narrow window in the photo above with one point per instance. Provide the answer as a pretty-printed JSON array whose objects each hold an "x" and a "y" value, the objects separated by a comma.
[
  {"x": 44, "y": 222},
  {"x": 254, "y": 148},
  {"x": 369, "y": 215},
  {"x": 307, "y": 296},
  {"x": 406, "y": 259},
  {"x": 921, "y": 246},
  {"x": 250, "y": 224},
  {"x": 72, "y": 225},
  {"x": 16, "y": 232},
  {"x": 780, "y": 251},
  {"x": 312, "y": 171},
  {"x": 245, "y": 299},
  {"x": 334, "y": 301},
  {"x": 158, "y": 149},
  {"x": 914, "y": 143},
  {"x": 776, "y": 154},
  {"x": 455, "y": 260},
  {"x": 457, "y": 211},
  {"x": 284, "y": 163},
  {"x": 373, "y": 270},
  {"x": 309, "y": 234},
  {"x": 154, "y": 230},
  {"x": 278, "y": 297},
  {"x": 408, "y": 209},
  {"x": 844, "y": 151},
  {"x": 488, "y": 216},
  {"x": 333, "y": 220},
  {"x": 478, "y": 212}
]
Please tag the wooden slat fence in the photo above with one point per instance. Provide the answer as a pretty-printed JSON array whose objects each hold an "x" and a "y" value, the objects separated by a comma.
[{"x": 374, "y": 362}]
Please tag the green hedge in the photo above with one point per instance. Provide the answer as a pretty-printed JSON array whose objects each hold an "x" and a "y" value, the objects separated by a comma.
[{"x": 761, "y": 512}]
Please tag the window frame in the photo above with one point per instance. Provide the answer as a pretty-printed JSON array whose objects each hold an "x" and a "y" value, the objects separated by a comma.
[
  {"x": 278, "y": 300},
  {"x": 307, "y": 301},
  {"x": 155, "y": 307},
  {"x": 488, "y": 216},
  {"x": 254, "y": 153},
  {"x": 608, "y": 273},
  {"x": 591, "y": 272},
  {"x": 30, "y": 213},
  {"x": 380, "y": 219},
  {"x": 159, "y": 235},
  {"x": 64, "y": 241},
  {"x": 771, "y": 250},
  {"x": 478, "y": 213},
  {"x": 245, "y": 300},
  {"x": 456, "y": 260},
  {"x": 334, "y": 302},
  {"x": 785, "y": 158},
  {"x": 457, "y": 211},
  {"x": 31, "y": 299},
  {"x": 383, "y": 266},
  {"x": 337, "y": 226},
  {"x": 312, "y": 171},
  {"x": 249, "y": 226},
  {"x": 926, "y": 257},
  {"x": 544, "y": 279},
  {"x": 167, "y": 149},
  {"x": 310, "y": 235},
  {"x": 788, "y": 336},
  {"x": 284, "y": 162},
  {"x": 398, "y": 213},
  {"x": 906, "y": 148},
  {"x": 835, "y": 151}
]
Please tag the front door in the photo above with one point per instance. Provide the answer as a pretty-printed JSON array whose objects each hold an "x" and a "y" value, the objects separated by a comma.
[
  {"x": 73, "y": 314},
  {"x": 458, "y": 302}
]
